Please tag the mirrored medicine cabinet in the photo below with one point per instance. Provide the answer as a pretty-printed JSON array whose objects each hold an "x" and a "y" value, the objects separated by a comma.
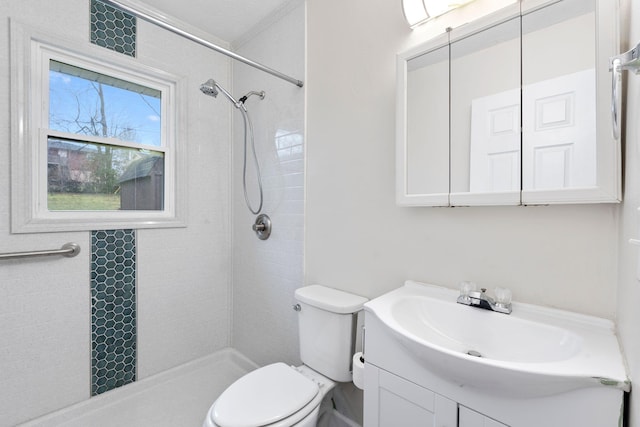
[{"x": 511, "y": 109}]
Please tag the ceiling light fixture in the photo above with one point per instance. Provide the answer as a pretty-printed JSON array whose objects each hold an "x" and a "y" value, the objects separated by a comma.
[{"x": 417, "y": 12}]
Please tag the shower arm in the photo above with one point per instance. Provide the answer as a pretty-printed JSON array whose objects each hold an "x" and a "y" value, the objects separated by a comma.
[
  {"x": 238, "y": 104},
  {"x": 157, "y": 20},
  {"x": 260, "y": 94}
]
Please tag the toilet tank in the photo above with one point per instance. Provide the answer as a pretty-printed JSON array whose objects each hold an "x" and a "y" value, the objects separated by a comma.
[{"x": 328, "y": 328}]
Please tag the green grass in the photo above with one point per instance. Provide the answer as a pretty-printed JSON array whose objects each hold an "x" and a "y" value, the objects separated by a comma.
[{"x": 83, "y": 202}]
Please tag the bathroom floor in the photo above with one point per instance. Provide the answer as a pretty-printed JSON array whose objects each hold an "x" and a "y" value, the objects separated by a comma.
[{"x": 178, "y": 397}]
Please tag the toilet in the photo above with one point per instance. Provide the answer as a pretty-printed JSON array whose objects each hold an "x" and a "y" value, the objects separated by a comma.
[{"x": 279, "y": 395}]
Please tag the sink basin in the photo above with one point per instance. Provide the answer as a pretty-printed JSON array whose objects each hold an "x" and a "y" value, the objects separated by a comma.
[
  {"x": 534, "y": 351},
  {"x": 463, "y": 329}
]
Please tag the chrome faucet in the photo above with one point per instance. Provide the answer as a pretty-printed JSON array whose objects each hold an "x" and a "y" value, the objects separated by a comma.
[{"x": 470, "y": 296}]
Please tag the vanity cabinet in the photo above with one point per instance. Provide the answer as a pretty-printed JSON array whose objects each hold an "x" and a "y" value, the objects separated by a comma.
[
  {"x": 402, "y": 388},
  {"x": 392, "y": 401},
  {"x": 511, "y": 109},
  {"x": 469, "y": 418}
]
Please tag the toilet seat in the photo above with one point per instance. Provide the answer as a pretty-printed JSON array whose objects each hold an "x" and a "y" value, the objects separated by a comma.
[{"x": 276, "y": 395}]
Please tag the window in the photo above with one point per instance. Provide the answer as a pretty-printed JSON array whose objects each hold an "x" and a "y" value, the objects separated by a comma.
[
  {"x": 82, "y": 172},
  {"x": 99, "y": 146}
]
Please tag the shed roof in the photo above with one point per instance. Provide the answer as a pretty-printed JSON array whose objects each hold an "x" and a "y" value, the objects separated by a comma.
[{"x": 140, "y": 168}]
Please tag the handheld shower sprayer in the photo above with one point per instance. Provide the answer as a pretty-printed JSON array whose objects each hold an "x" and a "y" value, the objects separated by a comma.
[
  {"x": 212, "y": 88},
  {"x": 209, "y": 88}
]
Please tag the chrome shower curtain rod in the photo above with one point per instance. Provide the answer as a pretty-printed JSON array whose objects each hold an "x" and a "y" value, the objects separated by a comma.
[{"x": 159, "y": 22}]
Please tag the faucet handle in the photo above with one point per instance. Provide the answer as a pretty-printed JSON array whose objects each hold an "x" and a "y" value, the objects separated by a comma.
[
  {"x": 466, "y": 287},
  {"x": 503, "y": 296}
]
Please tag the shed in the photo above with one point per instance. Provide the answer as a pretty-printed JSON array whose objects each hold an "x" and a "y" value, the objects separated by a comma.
[{"x": 142, "y": 184}]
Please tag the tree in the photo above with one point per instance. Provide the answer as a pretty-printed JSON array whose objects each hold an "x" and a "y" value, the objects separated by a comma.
[{"x": 80, "y": 106}]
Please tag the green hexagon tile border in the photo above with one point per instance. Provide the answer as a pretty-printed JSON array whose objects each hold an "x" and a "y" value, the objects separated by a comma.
[
  {"x": 113, "y": 252},
  {"x": 113, "y": 309},
  {"x": 113, "y": 28}
]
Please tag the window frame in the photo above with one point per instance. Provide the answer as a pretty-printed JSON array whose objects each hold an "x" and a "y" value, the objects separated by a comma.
[{"x": 31, "y": 52}]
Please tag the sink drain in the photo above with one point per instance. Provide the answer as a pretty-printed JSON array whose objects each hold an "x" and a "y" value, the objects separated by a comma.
[{"x": 474, "y": 353}]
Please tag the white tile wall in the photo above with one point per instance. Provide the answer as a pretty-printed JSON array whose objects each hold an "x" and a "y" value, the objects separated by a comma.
[
  {"x": 44, "y": 331},
  {"x": 266, "y": 273},
  {"x": 44, "y": 304},
  {"x": 183, "y": 274}
]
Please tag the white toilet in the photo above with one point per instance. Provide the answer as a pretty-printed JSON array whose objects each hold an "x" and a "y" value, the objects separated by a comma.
[{"x": 279, "y": 395}]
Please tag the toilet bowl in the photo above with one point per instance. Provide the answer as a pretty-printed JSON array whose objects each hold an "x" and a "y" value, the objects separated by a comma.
[
  {"x": 276, "y": 395},
  {"x": 279, "y": 395}
]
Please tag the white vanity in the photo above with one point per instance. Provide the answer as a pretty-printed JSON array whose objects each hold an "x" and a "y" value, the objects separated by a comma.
[{"x": 432, "y": 362}]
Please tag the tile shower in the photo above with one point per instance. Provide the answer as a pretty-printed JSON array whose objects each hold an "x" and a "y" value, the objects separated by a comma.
[{"x": 183, "y": 295}]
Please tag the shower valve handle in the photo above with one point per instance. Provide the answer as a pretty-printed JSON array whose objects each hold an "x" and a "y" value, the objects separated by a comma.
[{"x": 262, "y": 226}]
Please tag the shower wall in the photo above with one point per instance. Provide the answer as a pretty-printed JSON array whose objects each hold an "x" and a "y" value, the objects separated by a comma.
[
  {"x": 266, "y": 273},
  {"x": 183, "y": 274}
]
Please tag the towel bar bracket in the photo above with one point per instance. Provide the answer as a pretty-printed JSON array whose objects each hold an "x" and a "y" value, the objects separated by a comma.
[{"x": 627, "y": 61}]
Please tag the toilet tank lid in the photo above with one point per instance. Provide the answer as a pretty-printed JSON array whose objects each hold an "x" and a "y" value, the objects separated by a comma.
[{"x": 330, "y": 299}]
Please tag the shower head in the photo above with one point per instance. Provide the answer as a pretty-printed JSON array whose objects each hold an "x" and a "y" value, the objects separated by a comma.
[{"x": 210, "y": 87}]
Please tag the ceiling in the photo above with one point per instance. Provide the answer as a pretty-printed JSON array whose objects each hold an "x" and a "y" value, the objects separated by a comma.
[{"x": 225, "y": 19}]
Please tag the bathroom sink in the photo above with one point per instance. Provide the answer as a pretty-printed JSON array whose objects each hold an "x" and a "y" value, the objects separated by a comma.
[
  {"x": 534, "y": 351},
  {"x": 463, "y": 329}
]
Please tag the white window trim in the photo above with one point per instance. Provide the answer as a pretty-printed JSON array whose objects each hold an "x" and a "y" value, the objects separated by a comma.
[{"x": 30, "y": 54}]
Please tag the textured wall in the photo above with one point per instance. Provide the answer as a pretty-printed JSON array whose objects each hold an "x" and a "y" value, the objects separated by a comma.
[{"x": 183, "y": 274}]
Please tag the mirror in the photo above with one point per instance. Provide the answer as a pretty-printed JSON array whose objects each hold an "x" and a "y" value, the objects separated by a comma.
[
  {"x": 559, "y": 103},
  {"x": 559, "y": 134},
  {"x": 428, "y": 123},
  {"x": 485, "y": 115},
  {"x": 528, "y": 119},
  {"x": 423, "y": 110}
]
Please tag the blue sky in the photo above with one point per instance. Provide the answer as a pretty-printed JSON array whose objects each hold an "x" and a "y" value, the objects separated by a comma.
[{"x": 72, "y": 97}]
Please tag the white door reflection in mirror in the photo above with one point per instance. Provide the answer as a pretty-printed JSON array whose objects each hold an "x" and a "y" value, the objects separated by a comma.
[
  {"x": 495, "y": 143},
  {"x": 485, "y": 115},
  {"x": 559, "y": 142},
  {"x": 559, "y": 132}
]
